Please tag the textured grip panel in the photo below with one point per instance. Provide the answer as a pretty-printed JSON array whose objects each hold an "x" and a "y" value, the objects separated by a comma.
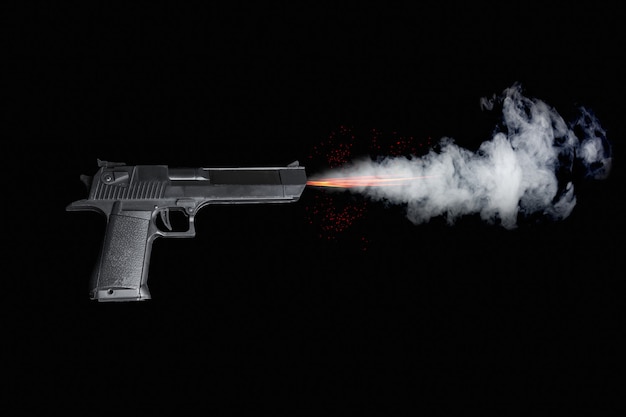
[{"x": 122, "y": 271}]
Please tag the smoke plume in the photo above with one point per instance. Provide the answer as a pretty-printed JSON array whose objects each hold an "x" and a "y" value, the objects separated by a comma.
[{"x": 526, "y": 168}]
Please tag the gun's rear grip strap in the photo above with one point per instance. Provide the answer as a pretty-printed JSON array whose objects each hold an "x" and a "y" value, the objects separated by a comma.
[{"x": 122, "y": 271}]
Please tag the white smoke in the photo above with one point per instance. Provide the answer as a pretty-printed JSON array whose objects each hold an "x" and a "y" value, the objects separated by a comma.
[{"x": 526, "y": 168}]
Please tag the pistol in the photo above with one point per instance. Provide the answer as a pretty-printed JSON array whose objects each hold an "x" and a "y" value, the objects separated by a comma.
[{"x": 137, "y": 202}]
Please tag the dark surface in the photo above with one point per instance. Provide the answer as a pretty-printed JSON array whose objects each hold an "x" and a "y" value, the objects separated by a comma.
[{"x": 257, "y": 311}]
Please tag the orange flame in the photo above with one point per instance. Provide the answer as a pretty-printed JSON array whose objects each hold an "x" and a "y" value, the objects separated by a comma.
[{"x": 363, "y": 181}]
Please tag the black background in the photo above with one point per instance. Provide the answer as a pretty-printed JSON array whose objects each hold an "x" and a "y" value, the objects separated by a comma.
[{"x": 257, "y": 311}]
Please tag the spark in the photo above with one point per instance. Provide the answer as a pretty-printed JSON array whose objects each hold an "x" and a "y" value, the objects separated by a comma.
[{"x": 331, "y": 215}]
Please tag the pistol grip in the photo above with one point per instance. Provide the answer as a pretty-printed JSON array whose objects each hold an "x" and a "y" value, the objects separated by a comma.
[{"x": 121, "y": 273}]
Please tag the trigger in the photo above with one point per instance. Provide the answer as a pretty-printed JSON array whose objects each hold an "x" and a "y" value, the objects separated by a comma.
[{"x": 165, "y": 217}]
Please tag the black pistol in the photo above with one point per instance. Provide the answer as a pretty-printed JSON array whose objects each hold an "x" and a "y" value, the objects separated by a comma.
[{"x": 137, "y": 201}]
